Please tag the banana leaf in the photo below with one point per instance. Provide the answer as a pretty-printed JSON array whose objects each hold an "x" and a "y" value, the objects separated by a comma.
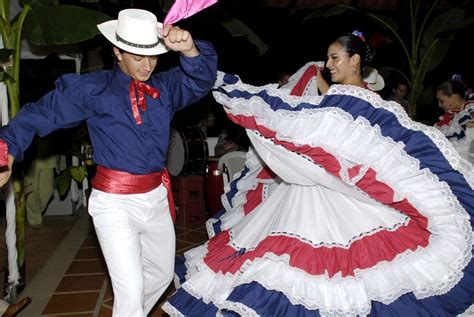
[
  {"x": 5, "y": 56},
  {"x": 331, "y": 11},
  {"x": 437, "y": 39},
  {"x": 79, "y": 173},
  {"x": 386, "y": 22},
  {"x": 34, "y": 3},
  {"x": 4, "y": 76},
  {"x": 63, "y": 182},
  {"x": 62, "y": 24}
]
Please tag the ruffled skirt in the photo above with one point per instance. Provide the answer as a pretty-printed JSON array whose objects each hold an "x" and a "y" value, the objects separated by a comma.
[{"x": 345, "y": 207}]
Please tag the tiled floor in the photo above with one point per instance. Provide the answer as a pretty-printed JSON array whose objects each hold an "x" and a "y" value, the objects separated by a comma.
[
  {"x": 81, "y": 287},
  {"x": 40, "y": 244}
]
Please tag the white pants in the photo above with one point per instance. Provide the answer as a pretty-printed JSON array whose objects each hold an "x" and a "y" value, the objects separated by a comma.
[{"x": 137, "y": 239}]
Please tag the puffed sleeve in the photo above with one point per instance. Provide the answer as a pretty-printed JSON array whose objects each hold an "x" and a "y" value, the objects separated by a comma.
[
  {"x": 186, "y": 84},
  {"x": 63, "y": 107}
]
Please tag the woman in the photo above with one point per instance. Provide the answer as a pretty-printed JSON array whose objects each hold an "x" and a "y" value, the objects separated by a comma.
[
  {"x": 345, "y": 207},
  {"x": 453, "y": 98}
]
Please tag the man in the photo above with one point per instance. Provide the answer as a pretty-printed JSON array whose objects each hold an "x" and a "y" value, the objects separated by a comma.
[
  {"x": 128, "y": 112},
  {"x": 399, "y": 94}
]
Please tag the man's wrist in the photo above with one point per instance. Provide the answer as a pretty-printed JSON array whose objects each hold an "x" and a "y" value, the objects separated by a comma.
[{"x": 192, "y": 52}]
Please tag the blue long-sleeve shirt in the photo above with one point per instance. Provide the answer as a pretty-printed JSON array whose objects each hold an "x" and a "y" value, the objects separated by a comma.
[{"x": 102, "y": 99}]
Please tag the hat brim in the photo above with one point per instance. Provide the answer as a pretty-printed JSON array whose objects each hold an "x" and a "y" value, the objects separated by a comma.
[
  {"x": 378, "y": 85},
  {"x": 108, "y": 30}
]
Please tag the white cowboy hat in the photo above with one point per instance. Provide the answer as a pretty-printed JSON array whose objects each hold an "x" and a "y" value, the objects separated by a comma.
[
  {"x": 135, "y": 31},
  {"x": 373, "y": 79}
]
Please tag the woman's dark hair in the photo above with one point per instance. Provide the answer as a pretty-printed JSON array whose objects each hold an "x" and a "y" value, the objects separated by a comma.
[
  {"x": 355, "y": 45},
  {"x": 453, "y": 87}
]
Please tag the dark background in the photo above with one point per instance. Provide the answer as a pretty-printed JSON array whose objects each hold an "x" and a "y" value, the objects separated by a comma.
[{"x": 294, "y": 37}]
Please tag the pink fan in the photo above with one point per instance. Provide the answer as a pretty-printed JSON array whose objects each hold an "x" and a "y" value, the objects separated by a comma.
[{"x": 183, "y": 9}]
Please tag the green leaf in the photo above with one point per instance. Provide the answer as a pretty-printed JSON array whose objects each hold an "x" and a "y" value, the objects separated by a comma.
[
  {"x": 62, "y": 24},
  {"x": 332, "y": 11},
  {"x": 5, "y": 55},
  {"x": 445, "y": 24},
  {"x": 436, "y": 55},
  {"x": 78, "y": 173},
  {"x": 384, "y": 21},
  {"x": 35, "y": 3},
  {"x": 439, "y": 35},
  {"x": 5, "y": 10},
  {"x": 63, "y": 181},
  {"x": 4, "y": 76}
]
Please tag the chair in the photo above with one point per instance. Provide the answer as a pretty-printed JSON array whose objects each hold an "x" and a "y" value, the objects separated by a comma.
[{"x": 230, "y": 164}]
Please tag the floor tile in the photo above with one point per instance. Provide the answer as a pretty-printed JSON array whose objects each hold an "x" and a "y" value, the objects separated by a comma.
[
  {"x": 105, "y": 312},
  {"x": 109, "y": 293},
  {"x": 193, "y": 236},
  {"x": 179, "y": 230},
  {"x": 87, "y": 266},
  {"x": 88, "y": 253},
  {"x": 90, "y": 242},
  {"x": 74, "y": 302},
  {"x": 69, "y": 315},
  {"x": 183, "y": 245},
  {"x": 81, "y": 283}
]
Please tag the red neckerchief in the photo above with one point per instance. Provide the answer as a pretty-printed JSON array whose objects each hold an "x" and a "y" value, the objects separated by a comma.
[
  {"x": 446, "y": 118},
  {"x": 142, "y": 89}
]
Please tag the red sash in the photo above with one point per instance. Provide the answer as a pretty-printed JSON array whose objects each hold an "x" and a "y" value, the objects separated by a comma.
[{"x": 118, "y": 182}]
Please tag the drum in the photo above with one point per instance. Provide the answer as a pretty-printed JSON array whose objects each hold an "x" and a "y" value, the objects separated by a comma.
[{"x": 187, "y": 152}]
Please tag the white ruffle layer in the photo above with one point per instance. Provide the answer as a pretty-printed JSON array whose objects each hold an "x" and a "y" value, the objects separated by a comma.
[{"x": 426, "y": 271}]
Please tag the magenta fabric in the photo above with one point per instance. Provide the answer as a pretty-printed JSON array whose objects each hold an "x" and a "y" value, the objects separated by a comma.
[{"x": 183, "y": 9}]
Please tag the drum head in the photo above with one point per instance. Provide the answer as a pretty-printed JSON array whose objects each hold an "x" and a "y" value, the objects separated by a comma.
[
  {"x": 175, "y": 157},
  {"x": 187, "y": 152}
]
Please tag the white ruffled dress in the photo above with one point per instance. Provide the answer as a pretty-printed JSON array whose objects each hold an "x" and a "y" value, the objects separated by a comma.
[{"x": 346, "y": 207}]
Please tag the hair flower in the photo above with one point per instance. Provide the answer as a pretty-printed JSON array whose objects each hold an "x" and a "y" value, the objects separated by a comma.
[{"x": 359, "y": 34}]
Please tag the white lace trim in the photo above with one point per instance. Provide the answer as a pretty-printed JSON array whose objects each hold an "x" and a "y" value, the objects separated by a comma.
[
  {"x": 434, "y": 134},
  {"x": 239, "y": 308},
  {"x": 177, "y": 283},
  {"x": 274, "y": 273},
  {"x": 234, "y": 209},
  {"x": 438, "y": 138},
  {"x": 171, "y": 310}
]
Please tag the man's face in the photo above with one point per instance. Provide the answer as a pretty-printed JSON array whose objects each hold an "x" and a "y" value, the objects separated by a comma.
[
  {"x": 283, "y": 80},
  {"x": 138, "y": 67},
  {"x": 400, "y": 92}
]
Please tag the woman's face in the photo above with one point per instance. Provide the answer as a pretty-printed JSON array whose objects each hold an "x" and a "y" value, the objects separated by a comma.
[
  {"x": 138, "y": 67},
  {"x": 339, "y": 64},
  {"x": 449, "y": 103}
]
